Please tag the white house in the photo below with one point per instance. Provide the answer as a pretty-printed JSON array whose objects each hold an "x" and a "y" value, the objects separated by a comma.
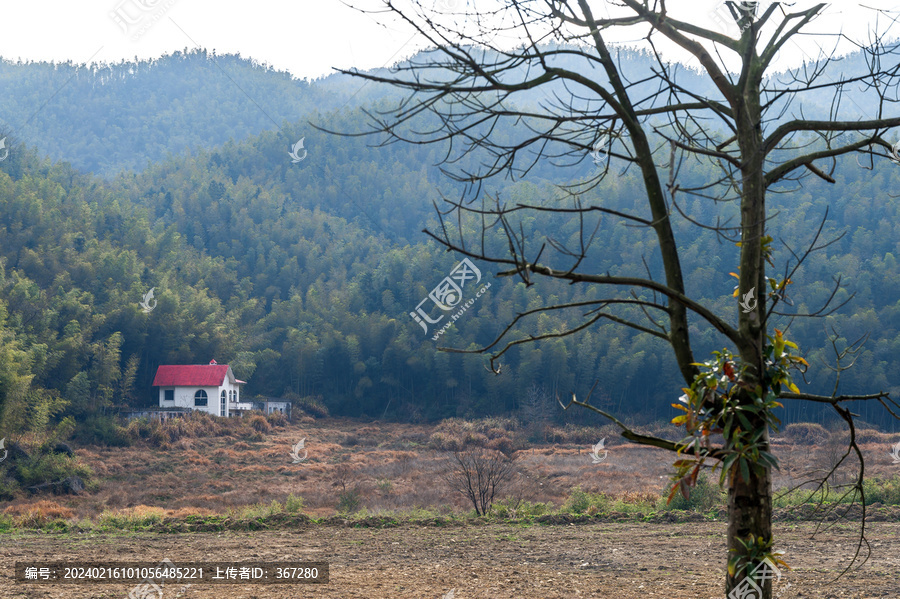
[
  {"x": 210, "y": 388},
  {"x": 270, "y": 405}
]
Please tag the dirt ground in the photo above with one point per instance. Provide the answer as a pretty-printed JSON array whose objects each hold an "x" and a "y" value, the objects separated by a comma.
[{"x": 609, "y": 560}]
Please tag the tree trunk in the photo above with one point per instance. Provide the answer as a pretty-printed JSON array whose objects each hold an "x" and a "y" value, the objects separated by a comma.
[
  {"x": 749, "y": 515},
  {"x": 750, "y": 501}
]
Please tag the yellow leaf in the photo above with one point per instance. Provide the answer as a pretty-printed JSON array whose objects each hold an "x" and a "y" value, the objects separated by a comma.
[
  {"x": 734, "y": 275},
  {"x": 794, "y": 388}
]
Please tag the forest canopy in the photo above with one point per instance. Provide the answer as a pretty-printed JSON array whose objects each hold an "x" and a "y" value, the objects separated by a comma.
[{"x": 303, "y": 275}]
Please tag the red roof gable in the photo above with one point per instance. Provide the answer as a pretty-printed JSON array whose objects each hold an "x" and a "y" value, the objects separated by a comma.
[{"x": 205, "y": 375}]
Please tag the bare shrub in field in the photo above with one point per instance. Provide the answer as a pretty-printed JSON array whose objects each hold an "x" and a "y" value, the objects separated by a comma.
[
  {"x": 871, "y": 435},
  {"x": 444, "y": 442},
  {"x": 277, "y": 419},
  {"x": 259, "y": 423},
  {"x": 502, "y": 444},
  {"x": 806, "y": 433},
  {"x": 349, "y": 499},
  {"x": 479, "y": 474}
]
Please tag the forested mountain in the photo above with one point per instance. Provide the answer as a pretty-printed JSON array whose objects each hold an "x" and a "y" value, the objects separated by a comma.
[{"x": 302, "y": 275}]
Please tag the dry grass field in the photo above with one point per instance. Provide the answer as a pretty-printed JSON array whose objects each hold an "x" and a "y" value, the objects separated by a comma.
[
  {"x": 393, "y": 466},
  {"x": 396, "y": 468}
]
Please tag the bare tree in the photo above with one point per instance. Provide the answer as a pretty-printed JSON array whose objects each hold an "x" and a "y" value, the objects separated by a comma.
[
  {"x": 535, "y": 409},
  {"x": 747, "y": 130},
  {"x": 480, "y": 474}
]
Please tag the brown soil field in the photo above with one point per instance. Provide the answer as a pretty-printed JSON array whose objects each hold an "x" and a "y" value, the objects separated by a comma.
[
  {"x": 397, "y": 467},
  {"x": 608, "y": 560}
]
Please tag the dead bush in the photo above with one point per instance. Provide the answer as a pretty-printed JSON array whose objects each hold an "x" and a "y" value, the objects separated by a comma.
[
  {"x": 479, "y": 474},
  {"x": 35, "y": 515},
  {"x": 806, "y": 433},
  {"x": 259, "y": 423},
  {"x": 277, "y": 419},
  {"x": 502, "y": 444},
  {"x": 444, "y": 442}
]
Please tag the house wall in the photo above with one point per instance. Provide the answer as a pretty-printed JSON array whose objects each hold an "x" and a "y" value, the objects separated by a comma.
[{"x": 184, "y": 397}]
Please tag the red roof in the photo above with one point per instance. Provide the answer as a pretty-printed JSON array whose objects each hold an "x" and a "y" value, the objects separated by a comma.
[{"x": 201, "y": 375}]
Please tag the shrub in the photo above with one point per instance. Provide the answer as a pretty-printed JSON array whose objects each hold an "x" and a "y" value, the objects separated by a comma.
[
  {"x": 704, "y": 496},
  {"x": 475, "y": 439},
  {"x": 101, "y": 430},
  {"x": 886, "y": 492},
  {"x": 293, "y": 504},
  {"x": 6, "y": 523},
  {"x": 502, "y": 444},
  {"x": 312, "y": 405},
  {"x": 806, "y": 433},
  {"x": 444, "y": 442},
  {"x": 50, "y": 467},
  {"x": 349, "y": 500},
  {"x": 259, "y": 423},
  {"x": 277, "y": 419},
  {"x": 582, "y": 502},
  {"x": 871, "y": 435}
]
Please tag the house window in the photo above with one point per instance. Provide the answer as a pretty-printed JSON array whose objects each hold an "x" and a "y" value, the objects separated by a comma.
[
  {"x": 200, "y": 398},
  {"x": 222, "y": 402},
  {"x": 169, "y": 395}
]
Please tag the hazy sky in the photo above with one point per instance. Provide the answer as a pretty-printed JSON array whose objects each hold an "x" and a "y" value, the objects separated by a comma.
[{"x": 305, "y": 37}]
